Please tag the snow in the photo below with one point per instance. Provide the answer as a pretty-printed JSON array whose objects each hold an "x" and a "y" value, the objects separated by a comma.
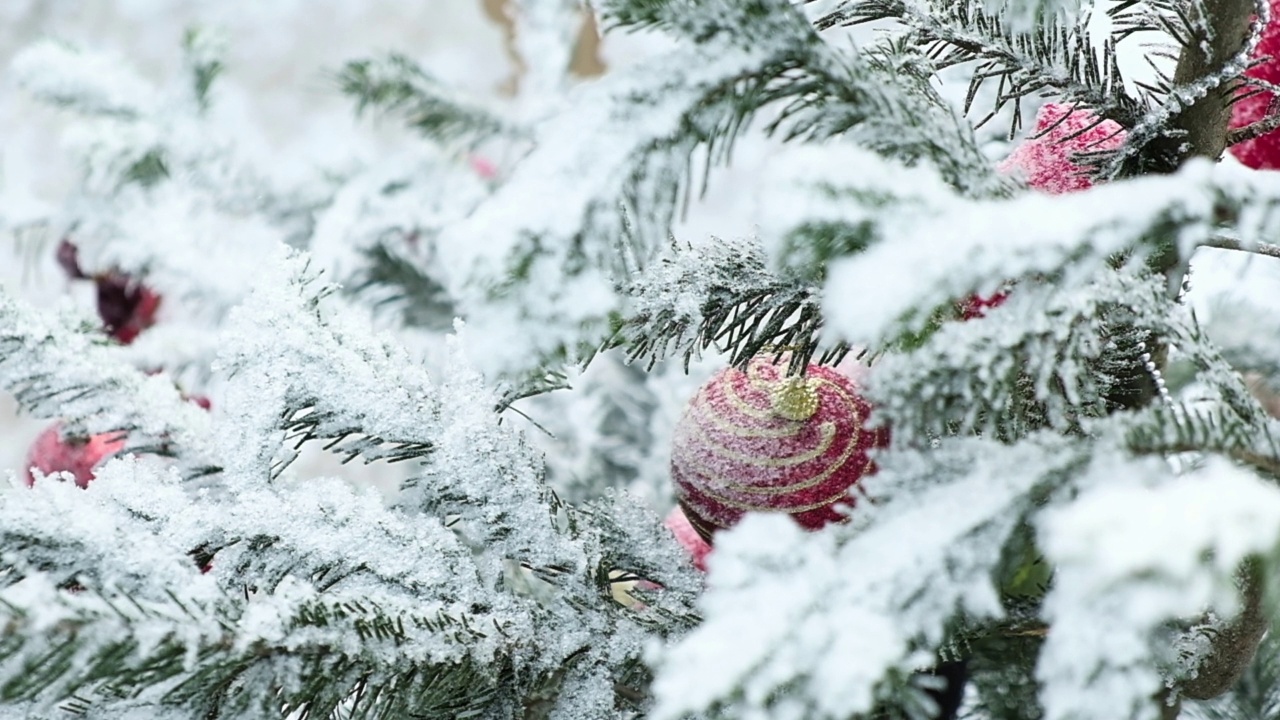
[
  {"x": 1136, "y": 550},
  {"x": 964, "y": 246}
]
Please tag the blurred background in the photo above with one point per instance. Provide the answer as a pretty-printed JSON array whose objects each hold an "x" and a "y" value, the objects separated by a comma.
[{"x": 277, "y": 94}]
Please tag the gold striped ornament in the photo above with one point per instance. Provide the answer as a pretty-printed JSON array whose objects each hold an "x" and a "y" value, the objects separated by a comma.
[{"x": 761, "y": 441}]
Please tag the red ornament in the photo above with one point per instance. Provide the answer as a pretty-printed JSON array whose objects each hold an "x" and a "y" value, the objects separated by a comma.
[
  {"x": 760, "y": 441},
  {"x": 52, "y": 453},
  {"x": 127, "y": 307},
  {"x": 976, "y": 306},
  {"x": 1045, "y": 161},
  {"x": 1262, "y": 153}
]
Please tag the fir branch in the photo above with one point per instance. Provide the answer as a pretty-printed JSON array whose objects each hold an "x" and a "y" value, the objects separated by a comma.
[
  {"x": 1054, "y": 55},
  {"x": 311, "y": 403},
  {"x": 957, "y": 249},
  {"x": 88, "y": 83},
  {"x": 397, "y": 85},
  {"x": 1259, "y": 248},
  {"x": 1025, "y": 384},
  {"x": 695, "y": 101},
  {"x": 212, "y": 657},
  {"x": 1216, "y": 39},
  {"x": 390, "y": 280},
  {"x": 204, "y": 51},
  {"x": 743, "y": 23},
  {"x": 722, "y": 295},
  {"x": 958, "y": 506},
  {"x": 55, "y": 369},
  {"x": 1254, "y": 130}
]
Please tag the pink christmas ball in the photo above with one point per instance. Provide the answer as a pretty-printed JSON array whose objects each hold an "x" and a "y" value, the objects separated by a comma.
[
  {"x": 688, "y": 538},
  {"x": 1045, "y": 161},
  {"x": 759, "y": 441},
  {"x": 1262, "y": 153},
  {"x": 52, "y": 453}
]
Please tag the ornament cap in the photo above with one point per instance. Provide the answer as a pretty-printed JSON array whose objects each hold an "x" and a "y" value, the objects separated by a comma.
[{"x": 794, "y": 398}]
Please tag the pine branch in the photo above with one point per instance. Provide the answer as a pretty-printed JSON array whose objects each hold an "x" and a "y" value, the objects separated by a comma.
[
  {"x": 322, "y": 371},
  {"x": 958, "y": 507},
  {"x": 57, "y": 370},
  {"x": 1025, "y": 384},
  {"x": 1259, "y": 248},
  {"x": 391, "y": 280},
  {"x": 1215, "y": 38},
  {"x": 204, "y": 53},
  {"x": 745, "y": 23},
  {"x": 956, "y": 249},
  {"x": 722, "y": 295},
  {"x": 692, "y": 102},
  {"x": 88, "y": 83},
  {"x": 211, "y": 657},
  {"x": 1053, "y": 55},
  {"x": 396, "y": 85}
]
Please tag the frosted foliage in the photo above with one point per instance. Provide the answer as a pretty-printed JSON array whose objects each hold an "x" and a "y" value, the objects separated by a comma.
[
  {"x": 453, "y": 592},
  {"x": 1005, "y": 373},
  {"x": 93, "y": 388},
  {"x": 835, "y": 182},
  {"x": 611, "y": 430},
  {"x": 784, "y": 608},
  {"x": 1023, "y": 15},
  {"x": 402, "y": 204},
  {"x": 965, "y": 247},
  {"x": 86, "y": 81},
  {"x": 98, "y": 523},
  {"x": 291, "y": 353},
  {"x": 568, "y": 185},
  {"x": 1135, "y": 551},
  {"x": 167, "y": 193}
]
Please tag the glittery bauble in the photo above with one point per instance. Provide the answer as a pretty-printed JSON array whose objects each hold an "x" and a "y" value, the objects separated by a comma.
[
  {"x": 1047, "y": 161},
  {"x": 760, "y": 441},
  {"x": 1262, "y": 153},
  {"x": 688, "y": 538},
  {"x": 52, "y": 453}
]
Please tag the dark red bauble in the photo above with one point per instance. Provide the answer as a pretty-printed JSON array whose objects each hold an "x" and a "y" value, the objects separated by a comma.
[
  {"x": 759, "y": 441},
  {"x": 126, "y": 306},
  {"x": 976, "y": 306},
  {"x": 52, "y": 453}
]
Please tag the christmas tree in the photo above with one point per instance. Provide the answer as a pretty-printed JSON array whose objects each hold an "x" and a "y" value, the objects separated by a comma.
[{"x": 947, "y": 429}]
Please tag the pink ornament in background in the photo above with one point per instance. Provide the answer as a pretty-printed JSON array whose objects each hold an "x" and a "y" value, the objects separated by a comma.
[
  {"x": 688, "y": 538},
  {"x": 1261, "y": 153},
  {"x": 1045, "y": 161},
  {"x": 51, "y": 453},
  {"x": 484, "y": 167},
  {"x": 759, "y": 441}
]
